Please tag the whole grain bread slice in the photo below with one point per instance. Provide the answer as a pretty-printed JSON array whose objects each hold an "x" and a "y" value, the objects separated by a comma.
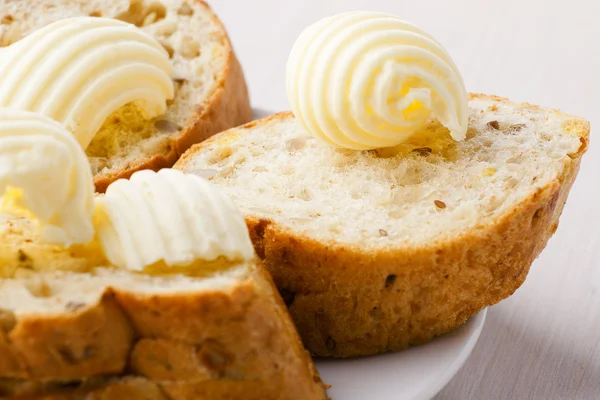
[
  {"x": 210, "y": 90},
  {"x": 103, "y": 332},
  {"x": 380, "y": 250}
]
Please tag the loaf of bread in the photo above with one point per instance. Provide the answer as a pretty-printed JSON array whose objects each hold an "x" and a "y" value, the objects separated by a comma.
[
  {"x": 75, "y": 329},
  {"x": 210, "y": 90},
  {"x": 382, "y": 249}
]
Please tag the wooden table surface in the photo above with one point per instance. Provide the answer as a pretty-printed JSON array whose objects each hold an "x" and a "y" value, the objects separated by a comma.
[{"x": 544, "y": 341}]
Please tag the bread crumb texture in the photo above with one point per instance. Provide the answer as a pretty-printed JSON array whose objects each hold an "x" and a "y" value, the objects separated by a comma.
[
  {"x": 427, "y": 190},
  {"x": 194, "y": 39}
]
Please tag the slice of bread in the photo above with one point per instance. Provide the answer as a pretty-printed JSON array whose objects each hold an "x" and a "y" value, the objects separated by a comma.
[
  {"x": 210, "y": 90},
  {"x": 115, "y": 334},
  {"x": 379, "y": 250}
]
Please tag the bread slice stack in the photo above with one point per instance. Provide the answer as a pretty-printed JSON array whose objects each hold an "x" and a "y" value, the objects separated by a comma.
[
  {"x": 72, "y": 328},
  {"x": 210, "y": 90},
  {"x": 379, "y": 250}
]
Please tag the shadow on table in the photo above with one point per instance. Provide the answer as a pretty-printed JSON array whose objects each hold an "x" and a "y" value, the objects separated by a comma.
[{"x": 508, "y": 364}]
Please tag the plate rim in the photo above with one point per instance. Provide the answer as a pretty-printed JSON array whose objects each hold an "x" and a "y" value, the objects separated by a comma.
[
  {"x": 444, "y": 379},
  {"x": 474, "y": 327}
]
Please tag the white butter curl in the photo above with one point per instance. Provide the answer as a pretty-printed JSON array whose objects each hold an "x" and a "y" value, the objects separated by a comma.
[
  {"x": 365, "y": 80},
  {"x": 169, "y": 216},
  {"x": 45, "y": 176},
  {"x": 79, "y": 71}
]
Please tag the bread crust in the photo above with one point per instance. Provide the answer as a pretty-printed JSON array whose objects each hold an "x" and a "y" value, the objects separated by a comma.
[
  {"x": 347, "y": 302},
  {"x": 139, "y": 388},
  {"x": 84, "y": 342},
  {"x": 196, "y": 345}
]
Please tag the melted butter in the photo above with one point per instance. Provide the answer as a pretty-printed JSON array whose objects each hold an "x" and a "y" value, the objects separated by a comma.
[
  {"x": 198, "y": 268},
  {"x": 122, "y": 129},
  {"x": 429, "y": 140}
]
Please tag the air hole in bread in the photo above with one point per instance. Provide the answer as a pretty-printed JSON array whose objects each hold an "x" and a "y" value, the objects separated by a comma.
[
  {"x": 225, "y": 171},
  {"x": 295, "y": 144},
  {"x": 7, "y": 19},
  {"x": 98, "y": 163},
  {"x": 141, "y": 15},
  {"x": 168, "y": 48},
  {"x": 471, "y": 133},
  {"x": 154, "y": 12},
  {"x": 189, "y": 47},
  {"x": 396, "y": 213},
  {"x": 220, "y": 155},
  {"x": 356, "y": 195},
  {"x": 287, "y": 170},
  {"x": 238, "y": 159},
  {"x": 515, "y": 159},
  {"x": 336, "y": 229},
  {"x": 206, "y": 173},
  {"x": 39, "y": 288},
  {"x": 134, "y": 14},
  {"x": 511, "y": 183},
  {"x": 166, "y": 29},
  {"x": 166, "y": 126},
  {"x": 387, "y": 152},
  {"x": 9, "y": 35},
  {"x": 304, "y": 194},
  {"x": 186, "y": 10},
  {"x": 199, "y": 83}
]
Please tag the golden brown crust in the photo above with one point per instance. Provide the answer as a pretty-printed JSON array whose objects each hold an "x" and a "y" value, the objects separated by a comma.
[
  {"x": 79, "y": 342},
  {"x": 130, "y": 388},
  {"x": 229, "y": 106},
  {"x": 233, "y": 341},
  {"x": 346, "y": 302},
  {"x": 138, "y": 388}
]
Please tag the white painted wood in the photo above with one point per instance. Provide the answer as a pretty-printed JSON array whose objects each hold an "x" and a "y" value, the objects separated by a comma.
[{"x": 544, "y": 342}]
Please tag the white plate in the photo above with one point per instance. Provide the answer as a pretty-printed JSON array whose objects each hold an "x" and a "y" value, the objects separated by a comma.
[{"x": 418, "y": 373}]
